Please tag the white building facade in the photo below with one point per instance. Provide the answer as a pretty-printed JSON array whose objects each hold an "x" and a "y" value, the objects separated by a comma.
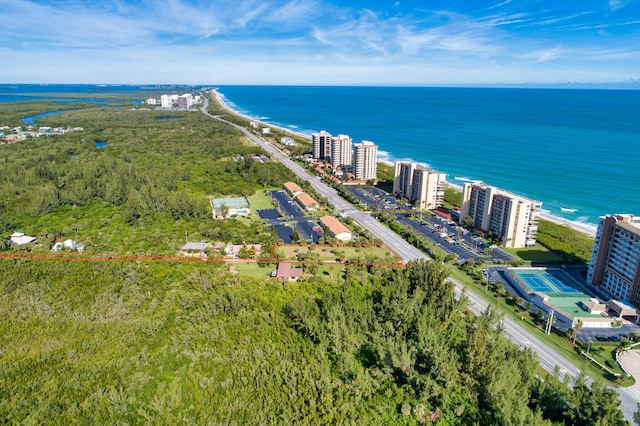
[
  {"x": 342, "y": 153},
  {"x": 321, "y": 145},
  {"x": 365, "y": 160}
]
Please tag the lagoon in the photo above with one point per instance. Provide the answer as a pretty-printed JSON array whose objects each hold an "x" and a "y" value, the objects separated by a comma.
[{"x": 33, "y": 118}]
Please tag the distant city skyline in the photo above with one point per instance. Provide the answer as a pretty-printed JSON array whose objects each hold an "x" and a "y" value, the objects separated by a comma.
[{"x": 320, "y": 42}]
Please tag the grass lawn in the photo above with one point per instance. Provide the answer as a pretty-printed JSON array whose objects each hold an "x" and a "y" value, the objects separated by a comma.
[
  {"x": 346, "y": 253},
  {"x": 260, "y": 200},
  {"x": 254, "y": 270},
  {"x": 537, "y": 254}
]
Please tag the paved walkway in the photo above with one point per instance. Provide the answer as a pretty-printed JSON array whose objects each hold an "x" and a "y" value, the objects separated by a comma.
[{"x": 630, "y": 360}]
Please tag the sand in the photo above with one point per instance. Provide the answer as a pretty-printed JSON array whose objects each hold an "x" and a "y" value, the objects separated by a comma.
[{"x": 581, "y": 227}]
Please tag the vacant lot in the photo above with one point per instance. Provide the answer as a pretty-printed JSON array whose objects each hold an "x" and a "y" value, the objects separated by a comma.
[{"x": 365, "y": 254}]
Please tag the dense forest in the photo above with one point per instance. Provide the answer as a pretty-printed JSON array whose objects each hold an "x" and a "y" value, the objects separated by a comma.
[
  {"x": 113, "y": 342},
  {"x": 146, "y": 188}
]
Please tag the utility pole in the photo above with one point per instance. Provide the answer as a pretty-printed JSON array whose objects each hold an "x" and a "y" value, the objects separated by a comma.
[{"x": 549, "y": 322}]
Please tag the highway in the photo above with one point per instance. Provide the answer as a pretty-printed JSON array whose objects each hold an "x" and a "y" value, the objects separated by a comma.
[
  {"x": 406, "y": 251},
  {"x": 548, "y": 357}
]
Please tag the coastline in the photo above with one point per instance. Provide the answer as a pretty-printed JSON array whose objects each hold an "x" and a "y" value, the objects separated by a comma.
[{"x": 585, "y": 228}]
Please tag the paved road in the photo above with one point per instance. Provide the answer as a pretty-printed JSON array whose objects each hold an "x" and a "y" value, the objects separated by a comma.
[
  {"x": 406, "y": 251},
  {"x": 548, "y": 357}
]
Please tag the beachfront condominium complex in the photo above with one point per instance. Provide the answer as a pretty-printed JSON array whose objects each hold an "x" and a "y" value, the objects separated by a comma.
[
  {"x": 509, "y": 218},
  {"x": 365, "y": 160},
  {"x": 341, "y": 153},
  {"x": 615, "y": 261},
  {"x": 421, "y": 184},
  {"x": 321, "y": 145}
]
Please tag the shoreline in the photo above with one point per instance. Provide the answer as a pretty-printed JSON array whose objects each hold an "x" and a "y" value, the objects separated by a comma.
[{"x": 585, "y": 228}]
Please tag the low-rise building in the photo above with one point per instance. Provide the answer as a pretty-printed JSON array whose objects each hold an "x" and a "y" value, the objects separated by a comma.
[
  {"x": 68, "y": 244},
  {"x": 336, "y": 228},
  {"x": 195, "y": 249},
  {"x": 307, "y": 201},
  {"x": 20, "y": 238},
  {"x": 286, "y": 272},
  {"x": 287, "y": 141},
  {"x": 292, "y": 188}
]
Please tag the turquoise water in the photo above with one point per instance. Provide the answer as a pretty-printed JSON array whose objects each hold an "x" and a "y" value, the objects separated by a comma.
[{"x": 576, "y": 150}]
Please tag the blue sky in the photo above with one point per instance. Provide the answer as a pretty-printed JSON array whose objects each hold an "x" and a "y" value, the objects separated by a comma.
[{"x": 404, "y": 42}]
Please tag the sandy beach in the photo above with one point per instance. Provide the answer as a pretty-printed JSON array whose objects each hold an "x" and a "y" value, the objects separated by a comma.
[{"x": 585, "y": 228}]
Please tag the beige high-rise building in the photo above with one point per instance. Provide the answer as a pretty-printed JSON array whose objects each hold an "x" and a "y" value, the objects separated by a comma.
[
  {"x": 427, "y": 188},
  {"x": 615, "y": 260},
  {"x": 342, "y": 153},
  {"x": 403, "y": 178},
  {"x": 510, "y": 218},
  {"x": 321, "y": 145},
  {"x": 421, "y": 184},
  {"x": 365, "y": 160}
]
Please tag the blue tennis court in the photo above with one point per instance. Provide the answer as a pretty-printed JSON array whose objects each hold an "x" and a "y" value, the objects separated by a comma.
[
  {"x": 560, "y": 285},
  {"x": 536, "y": 283},
  {"x": 548, "y": 281}
]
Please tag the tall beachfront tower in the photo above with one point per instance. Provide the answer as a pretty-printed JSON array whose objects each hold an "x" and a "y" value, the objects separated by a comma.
[
  {"x": 510, "y": 218},
  {"x": 342, "y": 153},
  {"x": 427, "y": 188},
  {"x": 321, "y": 145},
  {"x": 365, "y": 160},
  {"x": 423, "y": 185},
  {"x": 184, "y": 101},
  {"x": 403, "y": 178},
  {"x": 166, "y": 101},
  {"x": 615, "y": 261}
]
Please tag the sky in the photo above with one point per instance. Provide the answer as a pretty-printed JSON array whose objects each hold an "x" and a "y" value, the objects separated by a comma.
[{"x": 320, "y": 42}]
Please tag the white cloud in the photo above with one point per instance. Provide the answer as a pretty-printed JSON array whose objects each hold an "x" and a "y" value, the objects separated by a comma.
[{"x": 616, "y": 4}]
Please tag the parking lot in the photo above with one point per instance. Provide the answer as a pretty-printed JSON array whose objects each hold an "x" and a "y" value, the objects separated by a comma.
[
  {"x": 373, "y": 197},
  {"x": 451, "y": 238},
  {"x": 268, "y": 214},
  {"x": 286, "y": 205}
]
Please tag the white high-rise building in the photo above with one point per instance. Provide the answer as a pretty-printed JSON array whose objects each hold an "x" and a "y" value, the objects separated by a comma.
[
  {"x": 615, "y": 260},
  {"x": 342, "y": 153},
  {"x": 508, "y": 217},
  {"x": 365, "y": 160},
  {"x": 166, "y": 101},
  {"x": 321, "y": 145}
]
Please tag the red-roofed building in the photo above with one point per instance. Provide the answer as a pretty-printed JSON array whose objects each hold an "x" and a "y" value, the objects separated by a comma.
[
  {"x": 336, "y": 228},
  {"x": 287, "y": 272},
  {"x": 307, "y": 201},
  {"x": 292, "y": 188}
]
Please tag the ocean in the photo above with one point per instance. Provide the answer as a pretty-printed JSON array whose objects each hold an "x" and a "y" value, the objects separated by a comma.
[{"x": 576, "y": 150}]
